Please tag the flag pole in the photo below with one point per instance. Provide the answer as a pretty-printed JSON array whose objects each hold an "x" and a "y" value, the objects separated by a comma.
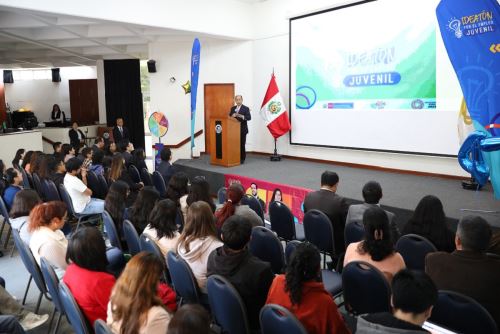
[{"x": 275, "y": 156}]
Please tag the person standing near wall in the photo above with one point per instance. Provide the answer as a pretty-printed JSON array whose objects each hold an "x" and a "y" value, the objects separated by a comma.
[{"x": 242, "y": 113}]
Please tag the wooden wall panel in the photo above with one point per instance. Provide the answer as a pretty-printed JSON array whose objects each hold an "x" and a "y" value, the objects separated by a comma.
[{"x": 83, "y": 101}]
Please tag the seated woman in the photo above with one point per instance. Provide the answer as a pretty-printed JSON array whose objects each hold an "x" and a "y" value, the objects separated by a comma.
[
  {"x": 198, "y": 240},
  {"x": 137, "y": 287},
  {"x": 177, "y": 190},
  {"x": 377, "y": 247},
  {"x": 18, "y": 159},
  {"x": 86, "y": 275},
  {"x": 111, "y": 149},
  {"x": 114, "y": 204},
  {"x": 162, "y": 228},
  {"x": 232, "y": 206},
  {"x": 25, "y": 164},
  {"x": 301, "y": 291},
  {"x": 97, "y": 162},
  {"x": 200, "y": 191},
  {"x": 76, "y": 137},
  {"x": 24, "y": 202},
  {"x": 143, "y": 205},
  {"x": 138, "y": 159},
  {"x": 429, "y": 221},
  {"x": 47, "y": 239},
  {"x": 57, "y": 115},
  {"x": 277, "y": 197},
  {"x": 119, "y": 172}
]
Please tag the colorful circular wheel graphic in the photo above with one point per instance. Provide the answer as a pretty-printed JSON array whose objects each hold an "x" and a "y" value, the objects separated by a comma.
[
  {"x": 158, "y": 124},
  {"x": 305, "y": 97}
]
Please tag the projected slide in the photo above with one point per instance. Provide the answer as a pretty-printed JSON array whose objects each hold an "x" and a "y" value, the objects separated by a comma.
[{"x": 358, "y": 71}]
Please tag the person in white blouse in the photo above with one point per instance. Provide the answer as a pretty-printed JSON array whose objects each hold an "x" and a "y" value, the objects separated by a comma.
[{"x": 161, "y": 225}]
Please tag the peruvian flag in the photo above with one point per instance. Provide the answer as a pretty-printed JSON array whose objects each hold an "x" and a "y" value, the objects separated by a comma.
[{"x": 274, "y": 112}]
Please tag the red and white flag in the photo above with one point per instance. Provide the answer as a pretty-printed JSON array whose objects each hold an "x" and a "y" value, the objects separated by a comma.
[{"x": 274, "y": 112}]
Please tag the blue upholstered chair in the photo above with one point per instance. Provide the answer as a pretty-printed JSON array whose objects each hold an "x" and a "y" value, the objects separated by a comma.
[
  {"x": 414, "y": 248},
  {"x": 131, "y": 237},
  {"x": 277, "y": 319}
]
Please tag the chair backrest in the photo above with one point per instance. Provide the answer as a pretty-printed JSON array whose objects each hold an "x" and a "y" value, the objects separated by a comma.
[
  {"x": 131, "y": 237},
  {"x": 52, "y": 282},
  {"x": 227, "y": 306},
  {"x": 318, "y": 230},
  {"x": 179, "y": 220},
  {"x": 150, "y": 246},
  {"x": 3, "y": 211},
  {"x": 354, "y": 231},
  {"x": 72, "y": 311},
  {"x": 111, "y": 231},
  {"x": 101, "y": 327},
  {"x": 134, "y": 174},
  {"x": 265, "y": 245},
  {"x": 103, "y": 185},
  {"x": 37, "y": 185},
  {"x": 26, "y": 179},
  {"x": 94, "y": 185},
  {"x": 413, "y": 248},
  {"x": 462, "y": 314},
  {"x": 291, "y": 246},
  {"x": 221, "y": 195},
  {"x": 50, "y": 190},
  {"x": 29, "y": 262},
  {"x": 66, "y": 199},
  {"x": 146, "y": 177},
  {"x": 159, "y": 184},
  {"x": 277, "y": 319},
  {"x": 282, "y": 221},
  {"x": 254, "y": 204},
  {"x": 366, "y": 290},
  {"x": 183, "y": 280}
]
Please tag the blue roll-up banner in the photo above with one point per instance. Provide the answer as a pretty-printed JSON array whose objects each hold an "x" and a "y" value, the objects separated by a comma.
[
  {"x": 195, "y": 70},
  {"x": 470, "y": 32}
]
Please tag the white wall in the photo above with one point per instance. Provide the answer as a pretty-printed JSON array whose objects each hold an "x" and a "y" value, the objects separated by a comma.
[{"x": 40, "y": 95}]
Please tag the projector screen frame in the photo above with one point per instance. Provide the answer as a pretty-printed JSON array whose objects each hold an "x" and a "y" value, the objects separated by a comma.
[{"x": 346, "y": 5}]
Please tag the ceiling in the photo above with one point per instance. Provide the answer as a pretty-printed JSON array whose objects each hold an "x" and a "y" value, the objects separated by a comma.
[{"x": 30, "y": 39}]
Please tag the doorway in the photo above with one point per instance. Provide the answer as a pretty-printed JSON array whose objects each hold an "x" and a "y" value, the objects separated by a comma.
[{"x": 218, "y": 102}]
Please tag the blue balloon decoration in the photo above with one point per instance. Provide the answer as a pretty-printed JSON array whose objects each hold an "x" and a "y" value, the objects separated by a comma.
[{"x": 490, "y": 144}]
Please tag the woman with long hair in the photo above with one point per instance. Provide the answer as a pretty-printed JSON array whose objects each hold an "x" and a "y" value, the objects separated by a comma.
[
  {"x": 138, "y": 158},
  {"x": 3, "y": 180},
  {"x": 162, "y": 228},
  {"x": 24, "y": 201},
  {"x": 200, "y": 191},
  {"x": 26, "y": 161},
  {"x": 111, "y": 149},
  {"x": 134, "y": 307},
  {"x": 178, "y": 187},
  {"x": 115, "y": 203},
  {"x": 429, "y": 221},
  {"x": 301, "y": 291},
  {"x": 234, "y": 194},
  {"x": 119, "y": 172},
  {"x": 35, "y": 161},
  {"x": 47, "y": 239},
  {"x": 43, "y": 169},
  {"x": 142, "y": 207},
  {"x": 377, "y": 247},
  {"x": 87, "y": 276},
  {"x": 18, "y": 158},
  {"x": 198, "y": 240}
]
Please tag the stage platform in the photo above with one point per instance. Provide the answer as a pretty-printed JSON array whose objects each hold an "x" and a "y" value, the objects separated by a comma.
[{"x": 401, "y": 191}]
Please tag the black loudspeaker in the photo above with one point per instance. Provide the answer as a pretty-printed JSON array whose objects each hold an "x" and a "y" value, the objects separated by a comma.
[
  {"x": 7, "y": 76},
  {"x": 56, "y": 77},
  {"x": 152, "y": 66}
]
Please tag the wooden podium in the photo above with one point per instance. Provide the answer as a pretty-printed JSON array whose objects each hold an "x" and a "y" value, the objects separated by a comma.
[{"x": 224, "y": 141}]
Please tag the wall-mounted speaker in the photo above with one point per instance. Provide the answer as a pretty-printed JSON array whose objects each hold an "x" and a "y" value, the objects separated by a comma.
[
  {"x": 152, "y": 66},
  {"x": 56, "y": 77},
  {"x": 7, "y": 76}
]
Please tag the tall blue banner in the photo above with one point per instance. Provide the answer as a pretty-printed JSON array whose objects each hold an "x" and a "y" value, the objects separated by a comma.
[
  {"x": 470, "y": 32},
  {"x": 195, "y": 70}
]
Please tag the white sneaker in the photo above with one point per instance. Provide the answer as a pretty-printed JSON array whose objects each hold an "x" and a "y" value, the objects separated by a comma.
[{"x": 32, "y": 320}]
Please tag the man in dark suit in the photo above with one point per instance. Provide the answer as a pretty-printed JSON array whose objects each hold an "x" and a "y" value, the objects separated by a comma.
[
  {"x": 76, "y": 137},
  {"x": 165, "y": 168},
  {"x": 98, "y": 144},
  {"x": 119, "y": 131},
  {"x": 468, "y": 270},
  {"x": 334, "y": 206},
  {"x": 242, "y": 113}
]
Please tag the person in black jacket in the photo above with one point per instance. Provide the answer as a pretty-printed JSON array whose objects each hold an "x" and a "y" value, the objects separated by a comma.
[
  {"x": 250, "y": 276},
  {"x": 119, "y": 131},
  {"x": 76, "y": 137},
  {"x": 165, "y": 168},
  {"x": 242, "y": 113}
]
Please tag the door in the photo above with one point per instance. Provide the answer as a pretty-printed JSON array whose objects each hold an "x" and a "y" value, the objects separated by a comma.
[
  {"x": 218, "y": 102},
  {"x": 83, "y": 101}
]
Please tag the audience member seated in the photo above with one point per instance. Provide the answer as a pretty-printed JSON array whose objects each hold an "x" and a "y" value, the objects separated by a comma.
[
  {"x": 76, "y": 137},
  {"x": 125, "y": 147},
  {"x": 139, "y": 212},
  {"x": 78, "y": 191},
  {"x": 35, "y": 162},
  {"x": 468, "y": 270},
  {"x": 138, "y": 159},
  {"x": 25, "y": 164},
  {"x": 68, "y": 152},
  {"x": 198, "y": 240},
  {"x": 334, "y": 206},
  {"x": 14, "y": 181},
  {"x": 3, "y": 181},
  {"x": 97, "y": 160},
  {"x": 199, "y": 191},
  {"x": 277, "y": 196},
  {"x": 177, "y": 190},
  {"x": 47, "y": 239},
  {"x": 57, "y": 146},
  {"x": 24, "y": 202},
  {"x": 232, "y": 207},
  {"x": 86, "y": 156},
  {"x": 190, "y": 319},
  {"x": 114, "y": 204},
  {"x": 413, "y": 296},
  {"x": 111, "y": 149},
  {"x": 162, "y": 228},
  {"x": 377, "y": 247},
  {"x": 429, "y": 221},
  {"x": 119, "y": 172},
  {"x": 255, "y": 193},
  {"x": 43, "y": 166},
  {"x": 57, "y": 170},
  {"x": 86, "y": 275},
  {"x": 98, "y": 144},
  {"x": 372, "y": 193},
  {"x": 13, "y": 314},
  {"x": 18, "y": 159},
  {"x": 250, "y": 276},
  {"x": 301, "y": 291},
  {"x": 165, "y": 168},
  {"x": 137, "y": 287}
]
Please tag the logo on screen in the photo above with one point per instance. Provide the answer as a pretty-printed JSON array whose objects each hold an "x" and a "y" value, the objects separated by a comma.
[
  {"x": 417, "y": 104},
  {"x": 378, "y": 105},
  {"x": 305, "y": 97}
]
